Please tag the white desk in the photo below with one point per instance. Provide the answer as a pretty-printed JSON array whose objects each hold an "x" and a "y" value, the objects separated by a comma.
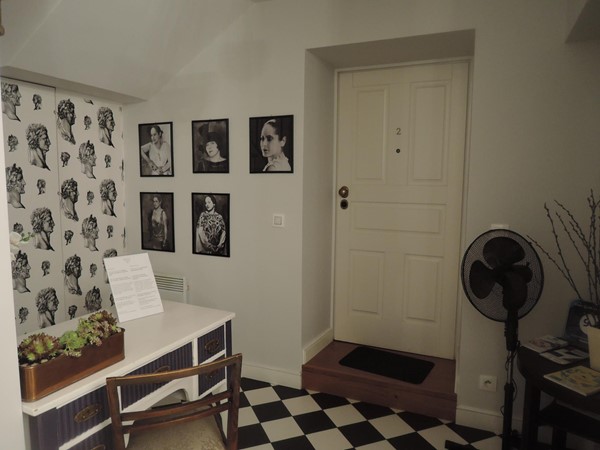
[{"x": 76, "y": 417}]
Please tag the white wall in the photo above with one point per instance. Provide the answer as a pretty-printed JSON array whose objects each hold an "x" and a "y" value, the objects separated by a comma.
[
  {"x": 11, "y": 417},
  {"x": 533, "y": 138}
]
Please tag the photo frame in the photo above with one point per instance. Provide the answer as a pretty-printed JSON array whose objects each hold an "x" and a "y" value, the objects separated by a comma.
[
  {"x": 157, "y": 221},
  {"x": 210, "y": 224},
  {"x": 276, "y": 152},
  {"x": 210, "y": 146},
  {"x": 156, "y": 149}
]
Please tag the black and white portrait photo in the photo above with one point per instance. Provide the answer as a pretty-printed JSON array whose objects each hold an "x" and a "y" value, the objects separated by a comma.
[
  {"x": 210, "y": 224},
  {"x": 210, "y": 146},
  {"x": 156, "y": 149},
  {"x": 272, "y": 144},
  {"x": 156, "y": 215}
]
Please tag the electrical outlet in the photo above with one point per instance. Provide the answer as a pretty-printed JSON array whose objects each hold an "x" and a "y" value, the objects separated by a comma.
[{"x": 488, "y": 383}]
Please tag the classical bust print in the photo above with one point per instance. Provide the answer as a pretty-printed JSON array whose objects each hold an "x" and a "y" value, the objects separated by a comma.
[
  {"x": 23, "y": 313},
  {"x": 12, "y": 142},
  {"x": 107, "y": 254},
  {"x": 41, "y": 185},
  {"x": 43, "y": 226},
  {"x": 87, "y": 122},
  {"x": 89, "y": 231},
  {"x": 69, "y": 195},
  {"x": 72, "y": 311},
  {"x": 65, "y": 157},
  {"x": 93, "y": 300},
  {"x": 65, "y": 119},
  {"x": 45, "y": 268},
  {"x": 68, "y": 236},
  {"x": 39, "y": 144},
  {"x": 20, "y": 272},
  {"x": 11, "y": 98},
  {"x": 72, "y": 272},
  {"x": 15, "y": 186},
  {"x": 106, "y": 125},
  {"x": 37, "y": 102},
  {"x": 90, "y": 197},
  {"x": 47, "y": 304},
  {"x": 87, "y": 157},
  {"x": 108, "y": 194}
]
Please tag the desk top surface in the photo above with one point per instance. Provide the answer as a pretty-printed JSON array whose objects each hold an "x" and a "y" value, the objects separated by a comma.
[
  {"x": 146, "y": 339},
  {"x": 533, "y": 367}
]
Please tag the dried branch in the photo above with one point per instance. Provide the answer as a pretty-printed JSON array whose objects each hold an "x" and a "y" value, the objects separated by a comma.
[{"x": 586, "y": 244}]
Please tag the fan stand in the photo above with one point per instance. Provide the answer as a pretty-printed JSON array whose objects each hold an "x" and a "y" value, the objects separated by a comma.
[{"x": 509, "y": 439}]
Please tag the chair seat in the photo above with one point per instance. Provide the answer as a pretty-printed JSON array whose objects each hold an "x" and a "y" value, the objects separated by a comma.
[{"x": 201, "y": 434}]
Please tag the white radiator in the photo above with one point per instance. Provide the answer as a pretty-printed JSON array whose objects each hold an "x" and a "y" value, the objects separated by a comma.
[{"x": 171, "y": 287}]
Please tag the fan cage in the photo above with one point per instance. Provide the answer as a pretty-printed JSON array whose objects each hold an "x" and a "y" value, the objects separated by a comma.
[{"x": 492, "y": 306}]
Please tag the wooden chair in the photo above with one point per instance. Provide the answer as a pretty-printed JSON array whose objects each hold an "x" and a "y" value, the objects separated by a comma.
[{"x": 189, "y": 425}]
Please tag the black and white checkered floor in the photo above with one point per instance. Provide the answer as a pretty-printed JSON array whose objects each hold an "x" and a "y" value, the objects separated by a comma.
[{"x": 282, "y": 418}]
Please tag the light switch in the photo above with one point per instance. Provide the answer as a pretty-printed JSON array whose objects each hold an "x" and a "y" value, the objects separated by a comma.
[{"x": 278, "y": 220}]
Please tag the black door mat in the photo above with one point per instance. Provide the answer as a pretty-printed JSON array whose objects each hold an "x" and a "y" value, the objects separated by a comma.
[{"x": 387, "y": 364}]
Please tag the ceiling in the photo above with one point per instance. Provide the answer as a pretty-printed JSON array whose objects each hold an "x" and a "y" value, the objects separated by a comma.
[
  {"x": 127, "y": 50},
  {"x": 109, "y": 47}
]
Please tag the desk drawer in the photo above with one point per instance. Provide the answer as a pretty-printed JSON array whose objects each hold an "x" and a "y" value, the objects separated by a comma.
[
  {"x": 82, "y": 414},
  {"x": 101, "y": 440},
  {"x": 177, "y": 359},
  {"x": 211, "y": 343},
  {"x": 208, "y": 380}
]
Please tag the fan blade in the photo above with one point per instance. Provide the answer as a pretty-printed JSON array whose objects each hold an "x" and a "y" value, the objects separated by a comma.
[
  {"x": 514, "y": 290},
  {"x": 524, "y": 272},
  {"x": 481, "y": 279},
  {"x": 502, "y": 251}
]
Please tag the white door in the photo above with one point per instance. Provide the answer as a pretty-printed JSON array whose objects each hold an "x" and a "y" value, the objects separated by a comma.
[{"x": 400, "y": 153}]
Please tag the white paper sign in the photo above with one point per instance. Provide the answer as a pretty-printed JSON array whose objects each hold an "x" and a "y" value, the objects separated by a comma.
[{"x": 133, "y": 286}]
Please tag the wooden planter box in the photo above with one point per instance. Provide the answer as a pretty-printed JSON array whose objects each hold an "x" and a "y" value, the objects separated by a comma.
[{"x": 44, "y": 379}]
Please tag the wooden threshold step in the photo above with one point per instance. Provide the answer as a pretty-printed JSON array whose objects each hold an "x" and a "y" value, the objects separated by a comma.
[{"x": 434, "y": 397}]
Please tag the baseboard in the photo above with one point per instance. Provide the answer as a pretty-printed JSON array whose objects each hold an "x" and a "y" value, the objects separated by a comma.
[
  {"x": 272, "y": 375},
  {"x": 317, "y": 344},
  {"x": 483, "y": 419}
]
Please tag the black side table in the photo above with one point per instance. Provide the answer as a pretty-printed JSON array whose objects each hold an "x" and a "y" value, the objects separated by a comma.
[{"x": 559, "y": 416}]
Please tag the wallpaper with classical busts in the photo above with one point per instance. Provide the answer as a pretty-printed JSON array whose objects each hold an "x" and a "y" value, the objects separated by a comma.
[{"x": 64, "y": 179}]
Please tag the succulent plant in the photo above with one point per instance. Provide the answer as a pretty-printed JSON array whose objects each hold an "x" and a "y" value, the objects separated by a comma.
[
  {"x": 72, "y": 343},
  {"x": 97, "y": 326},
  {"x": 38, "y": 348}
]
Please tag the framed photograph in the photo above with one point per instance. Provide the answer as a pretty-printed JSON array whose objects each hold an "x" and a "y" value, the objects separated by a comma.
[
  {"x": 156, "y": 149},
  {"x": 210, "y": 224},
  {"x": 210, "y": 146},
  {"x": 272, "y": 144},
  {"x": 157, "y": 221}
]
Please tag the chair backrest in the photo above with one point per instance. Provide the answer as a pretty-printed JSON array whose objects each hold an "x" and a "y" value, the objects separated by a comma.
[{"x": 211, "y": 405}]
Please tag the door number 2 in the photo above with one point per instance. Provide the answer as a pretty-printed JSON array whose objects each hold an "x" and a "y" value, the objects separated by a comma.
[{"x": 398, "y": 131}]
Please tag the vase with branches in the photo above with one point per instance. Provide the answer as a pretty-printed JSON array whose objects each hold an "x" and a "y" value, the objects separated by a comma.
[{"x": 584, "y": 239}]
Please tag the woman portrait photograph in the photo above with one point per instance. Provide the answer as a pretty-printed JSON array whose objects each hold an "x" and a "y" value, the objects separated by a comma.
[
  {"x": 210, "y": 146},
  {"x": 210, "y": 224},
  {"x": 272, "y": 144},
  {"x": 156, "y": 214},
  {"x": 156, "y": 149}
]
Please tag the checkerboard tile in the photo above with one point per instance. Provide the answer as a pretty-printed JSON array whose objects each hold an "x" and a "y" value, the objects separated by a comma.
[{"x": 282, "y": 418}]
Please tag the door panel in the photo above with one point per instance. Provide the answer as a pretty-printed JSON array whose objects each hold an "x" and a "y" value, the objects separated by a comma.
[{"x": 401, "y": 139}]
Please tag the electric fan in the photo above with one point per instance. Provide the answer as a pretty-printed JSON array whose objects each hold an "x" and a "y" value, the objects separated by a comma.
[{"x": 502, "y": 277}]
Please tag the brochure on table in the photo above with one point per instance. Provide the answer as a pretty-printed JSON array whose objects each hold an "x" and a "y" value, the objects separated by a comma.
[{"x": 133, "y": 286}]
